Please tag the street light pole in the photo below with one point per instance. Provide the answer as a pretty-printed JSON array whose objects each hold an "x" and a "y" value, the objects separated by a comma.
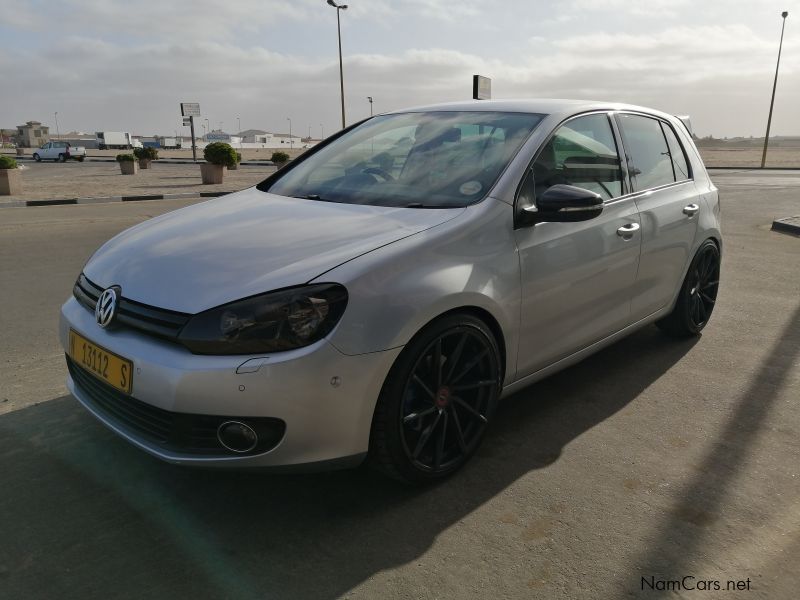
[
  {"x": 784, "y": 14},
  {"x": 291, "y": 144},
  {"x": 321, "y": 132},
  {"x": 58, "y": 132},
  {"x": 370, "y": 105},
  {"x": 340, "y": 7}
]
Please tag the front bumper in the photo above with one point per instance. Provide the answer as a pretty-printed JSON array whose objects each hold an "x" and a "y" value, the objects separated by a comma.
[{"x": 325, "y": 398}]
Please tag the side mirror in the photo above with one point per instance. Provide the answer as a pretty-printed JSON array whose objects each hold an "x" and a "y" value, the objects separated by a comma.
[{"x": 565, "y": 204}]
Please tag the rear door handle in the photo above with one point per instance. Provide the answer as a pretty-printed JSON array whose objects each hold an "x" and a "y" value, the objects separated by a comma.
[
  {"x": 626, "y": 231},
  {"x": 691, "y": 209}
]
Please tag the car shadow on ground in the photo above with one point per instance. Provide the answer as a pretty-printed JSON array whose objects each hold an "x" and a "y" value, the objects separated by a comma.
[{"x": 83, "y": 514}]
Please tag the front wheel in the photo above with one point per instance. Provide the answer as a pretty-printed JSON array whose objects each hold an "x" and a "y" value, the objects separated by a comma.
[
  {"x": 37, "y": 158},
  {"x": 437, "y": 401},
  {"x": 697, "y": 296},
  {"x": 62, "y": 158},
  {"x": 80, "y": 158}
]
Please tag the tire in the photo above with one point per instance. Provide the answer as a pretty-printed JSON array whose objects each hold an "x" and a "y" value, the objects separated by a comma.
[
  {"x": 421, "y": 431},
  {"x": 37, "y": 158},
  {"x": 697, "y": 296},
  {"x": 62, "y": 158},
  {"x": 80, "y": 158}
]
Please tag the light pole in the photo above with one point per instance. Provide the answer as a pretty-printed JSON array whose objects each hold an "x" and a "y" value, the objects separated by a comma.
[
  {"x": 239, "y": 125},
  {"x": 784, "y": 14},
  {"x": 208, "y": 128},
  {"x": 58, "y": 133},
  {"x": 321, "y": 132},
  {"x": 370, "y": 105},
  {"x": 340, "y": 7},
  {"x": 291, "y": 144}
]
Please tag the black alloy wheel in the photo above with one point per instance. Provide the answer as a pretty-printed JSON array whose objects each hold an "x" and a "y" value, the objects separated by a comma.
[
  {"x": 438, "y": 400},
  {"x": 698, "y": 294}
]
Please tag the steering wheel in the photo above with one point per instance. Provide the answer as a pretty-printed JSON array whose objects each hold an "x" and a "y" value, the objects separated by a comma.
[{"x": 377, "y": 171}]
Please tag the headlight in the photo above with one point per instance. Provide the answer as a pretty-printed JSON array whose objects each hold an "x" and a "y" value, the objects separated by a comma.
[{"x": 282, "y": 320}]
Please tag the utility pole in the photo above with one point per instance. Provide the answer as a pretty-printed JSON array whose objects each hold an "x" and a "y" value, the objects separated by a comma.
[{"x": 784, "y": 14}]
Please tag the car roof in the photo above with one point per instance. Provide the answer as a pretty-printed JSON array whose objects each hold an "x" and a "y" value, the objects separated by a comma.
[{"x": 549, "y": 106}]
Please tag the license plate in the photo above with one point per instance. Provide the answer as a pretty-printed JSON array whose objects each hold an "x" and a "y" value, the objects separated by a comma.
[{"x": 107, "y": 366}]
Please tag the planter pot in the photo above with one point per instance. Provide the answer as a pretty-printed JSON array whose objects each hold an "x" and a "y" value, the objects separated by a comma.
[
  {"x": 10, "y": 182},
  {"x": 128, "y": 167},
  {"x": 20, "y": 151},
  {"x": 233, "y": 167},
  {"x": 211, "y": 173},
  {"x": 280, "y": 165},
  {"x": 144, "y": 163}
]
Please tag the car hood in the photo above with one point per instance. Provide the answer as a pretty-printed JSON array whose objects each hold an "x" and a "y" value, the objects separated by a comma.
[{"x": 244, "y": 244}]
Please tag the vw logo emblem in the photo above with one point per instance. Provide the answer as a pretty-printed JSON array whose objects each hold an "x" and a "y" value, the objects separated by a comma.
[{"x": 106, "y": 308}]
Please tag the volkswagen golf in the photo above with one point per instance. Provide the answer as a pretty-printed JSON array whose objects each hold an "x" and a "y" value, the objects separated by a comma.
[{"x": 377, "y": 297}]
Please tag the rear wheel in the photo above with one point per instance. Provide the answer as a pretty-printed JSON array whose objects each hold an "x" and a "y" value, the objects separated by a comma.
[
  {"x": 437, "y": 401},
  {"x": 698, "y": 294},
  {"x": 62, "y": 158},
  {"x": 80, "y": 158}
]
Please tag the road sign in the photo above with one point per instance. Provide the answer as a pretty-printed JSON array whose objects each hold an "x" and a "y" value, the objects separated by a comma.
[
  {"x": 190, "y": 109},
  {"x": 481, "y": 87}
]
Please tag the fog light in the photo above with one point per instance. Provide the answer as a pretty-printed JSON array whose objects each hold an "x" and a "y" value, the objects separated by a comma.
[{"x": 237, "y": 436}]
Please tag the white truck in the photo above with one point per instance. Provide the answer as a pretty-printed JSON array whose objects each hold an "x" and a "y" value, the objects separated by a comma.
[
  {"x": 118, "y": 140},
  {"x": 60, "y": 151}
]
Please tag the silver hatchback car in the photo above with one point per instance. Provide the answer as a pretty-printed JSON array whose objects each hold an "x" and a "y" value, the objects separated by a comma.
[{"x": 379, "y": 295}]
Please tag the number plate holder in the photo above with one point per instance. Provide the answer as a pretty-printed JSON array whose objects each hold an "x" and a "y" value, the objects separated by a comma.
[{"x": 107, "y": 366}]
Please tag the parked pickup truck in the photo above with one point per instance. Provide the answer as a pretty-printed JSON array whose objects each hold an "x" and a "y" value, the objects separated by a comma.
[{"x": 60, "y": 151}]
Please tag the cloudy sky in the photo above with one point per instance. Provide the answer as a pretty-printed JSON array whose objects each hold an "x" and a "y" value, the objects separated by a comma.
[{"x": 122, "y": 65}]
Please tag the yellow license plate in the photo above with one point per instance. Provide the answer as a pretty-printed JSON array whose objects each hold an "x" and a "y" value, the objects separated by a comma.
[{"x": 107, "y": 366}]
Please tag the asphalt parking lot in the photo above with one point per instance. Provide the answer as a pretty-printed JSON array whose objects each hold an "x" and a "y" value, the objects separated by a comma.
[{"x": 652, "y": 459}]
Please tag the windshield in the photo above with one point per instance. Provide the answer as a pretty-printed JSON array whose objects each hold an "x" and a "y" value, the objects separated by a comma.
[{"x": 425, "y": 159}]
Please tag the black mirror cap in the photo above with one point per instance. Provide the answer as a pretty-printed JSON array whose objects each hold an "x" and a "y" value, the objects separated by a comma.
[
  {"x": 564, "y": 204},
  {"x": 562, "y": 196}
]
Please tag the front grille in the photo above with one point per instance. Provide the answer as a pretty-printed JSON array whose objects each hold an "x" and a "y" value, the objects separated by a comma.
[
  {"x": 159, "y": 322},
  {"x": 181, "y": 433}
]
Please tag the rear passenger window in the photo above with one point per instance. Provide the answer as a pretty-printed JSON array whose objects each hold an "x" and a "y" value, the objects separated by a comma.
[
  {"x": 676, "y": 153},
  {"x": 650, "y": 164},
  {"x": 582, "y": 153}
]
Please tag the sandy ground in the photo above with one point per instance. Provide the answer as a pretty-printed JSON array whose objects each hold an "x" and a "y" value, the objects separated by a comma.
[
  {"x": 94, "y": 179},
  {"x": 750, "y": 157}
]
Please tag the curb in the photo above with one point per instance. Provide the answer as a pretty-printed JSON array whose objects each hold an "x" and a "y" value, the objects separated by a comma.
[
  {"x": 109, "y": 199},
  {"x": 790, "y": 225},
  {"x": 159, "y": 161}
]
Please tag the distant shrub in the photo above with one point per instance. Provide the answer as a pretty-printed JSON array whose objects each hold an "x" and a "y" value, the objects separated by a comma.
[
  {"x": 279, "y": 157},
  {"x": 126, "y": 157},
  {"x": 238, "y": 157},
  {"x": 146, "y": 153},
  {"x": 7, "y": 162},
  {"x": 220, "y": 153}
]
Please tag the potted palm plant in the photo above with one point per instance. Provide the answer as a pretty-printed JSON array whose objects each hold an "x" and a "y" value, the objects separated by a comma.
[
  {"x": 127, "y": 164},
  {"x": 10, "y": 177},
  {"x": 145, "y": 155},
  {"x": 218, "y": 155}
]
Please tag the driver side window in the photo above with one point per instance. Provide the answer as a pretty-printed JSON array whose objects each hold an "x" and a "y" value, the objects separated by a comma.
[{"x": 583, "y": 153}]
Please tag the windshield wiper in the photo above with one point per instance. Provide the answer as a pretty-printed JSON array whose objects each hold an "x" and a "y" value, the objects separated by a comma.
[{"x": 315, "y": 197}]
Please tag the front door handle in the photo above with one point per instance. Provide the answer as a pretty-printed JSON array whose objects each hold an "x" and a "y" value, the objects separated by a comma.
[
  {"x": 691, "y": 210},
  {"x": 626, "y": 231}
]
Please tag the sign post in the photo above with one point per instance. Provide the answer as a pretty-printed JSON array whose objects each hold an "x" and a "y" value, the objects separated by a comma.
[
  {"x": 481, "y": 88},
  {"x": 191, "y": 110}
]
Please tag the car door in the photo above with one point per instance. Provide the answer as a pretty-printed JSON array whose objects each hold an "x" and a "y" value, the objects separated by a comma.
[
  {"x": 576, "y": 278},
  {"x": 44, "y": 151},
  {"x": 668, "y": 203}
]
